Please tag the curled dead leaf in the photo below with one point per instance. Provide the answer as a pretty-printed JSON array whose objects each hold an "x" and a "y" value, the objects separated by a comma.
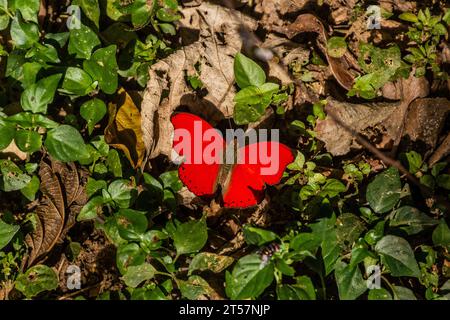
[
  {"x": 124, "y": 128},
  {"x": 344, "y": 69}
]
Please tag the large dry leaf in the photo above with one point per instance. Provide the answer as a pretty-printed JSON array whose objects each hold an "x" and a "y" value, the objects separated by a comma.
[
  {"x": 218, "y": 42},
  {"x": 359, "y": 117},
  {"x": 370, "y": 119},
  {"x": 63, "y": 195},
  {"x": 50, "y": 215},
  {"x": 124, "y": 128},
  {"x": 425, "y": 121}
]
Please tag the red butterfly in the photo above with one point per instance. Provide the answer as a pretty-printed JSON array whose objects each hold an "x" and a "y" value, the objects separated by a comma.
[{"x": 209, "y": 163}]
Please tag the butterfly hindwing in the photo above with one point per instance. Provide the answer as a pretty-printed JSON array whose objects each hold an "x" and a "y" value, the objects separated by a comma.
[
  {"x": 260, "y": 164},
  {"x": 199, "y": 177}
]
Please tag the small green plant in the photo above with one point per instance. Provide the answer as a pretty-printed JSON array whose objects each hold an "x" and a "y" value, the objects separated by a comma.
[
  {"x": 425, "y": 34},
  {"x": 256, "y": 94},
  {"x": 380, "y": 66}
]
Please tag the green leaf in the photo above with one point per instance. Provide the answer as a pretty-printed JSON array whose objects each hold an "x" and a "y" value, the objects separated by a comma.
[
  {"x": 140, "y": 13},
  {"x": 7, "y": 232},
  {"x": 441, "y": 235},
  {"x": 383, "y": 193},
  {"x": 166, "y": 16},
  {"x": 195, "y": 288},
  {"x": 332, "y": 188},
  {"x": 414, "y": 161},
  {"x": 122, "y": 192},
  {"x": 23, "y": 34},
  {"x": 171, "y": 180},
  {"x": 249, "y": 278},
  {"x": 245, "y": 114},
  {"x": 65, "y": 144},
  {"x": 82, "y": 41},
  {"x": 93, "y": 111},
  {"x": 411, "y": 220},
  {"x": 379, "y": 294},
  {"x": 336, "y": 47},
  {"x": 247, "y": 72},
  {"x": 152, "y": 240},
  {"x": 114, "y": 164},
  {"x": 92, "y": 186},
  {"x": 35, "y": 280},
  {"x": 305, "y": 242},
  {"x": 12, "y": 177},
  {"x": 302, "y": 290},
  {"x": 190, "y": 236},
  {"x": 153, "y": 186},
  {"x": 109, "y": 227},
  {"x": 325, "y": 233},
  {"x": 348, "y": 229},
  {"x": 90, "y": 8},
  {"x": 205, "y": 261},
  {"x": 135, "y": 275},
  {"x": 257, "y": 236},
  {"x": 43, "y": 54},
  {"x": 397, "y": 255},
  {"x": 102, "y": 67},
  {"x": 446, "y": 17},
  {"x": 349, "y": 281},
  {"x": 30, "y": 190},
  {"x": 28, "y": 9},
  {"x": 28, "y": 140},
  {"x": 129, "y": 255},
  {"x": 252, "y": 101},
  {"x": 148, "y": 294},
  {"x": 4, "y": 17},
  {"x": 31, "y": 121},
  {"x": 77, "y": 82},
  {"x": 91, "y": 209},
  {"x": 408, "y": 16},
  {"x": 167, "y": 28},
  {"x": 7, "y": 132},
  {"x": 38, "y": 96},
  {"x": 253, "y": 95},
  {"x": 131, "y": 224},
  {"x": 402, "y": 293}
]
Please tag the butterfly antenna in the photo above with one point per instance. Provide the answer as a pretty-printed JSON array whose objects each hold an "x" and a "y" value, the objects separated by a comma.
[{"x": 229, "y": 123}]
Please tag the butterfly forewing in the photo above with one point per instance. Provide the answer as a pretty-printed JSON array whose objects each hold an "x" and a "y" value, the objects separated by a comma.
[{"x": 200, "y": 168}]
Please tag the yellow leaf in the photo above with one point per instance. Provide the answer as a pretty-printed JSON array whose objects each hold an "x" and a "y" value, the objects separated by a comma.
[{"x": 124, "y": 128}]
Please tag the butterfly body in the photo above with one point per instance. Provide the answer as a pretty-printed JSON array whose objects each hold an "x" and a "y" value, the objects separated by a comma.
[{"x": 211, "y": 165}]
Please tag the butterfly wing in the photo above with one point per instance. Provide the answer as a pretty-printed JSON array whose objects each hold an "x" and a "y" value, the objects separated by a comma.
[
  {"x": 260, "y": 164},
  {"x": 198, "y": 174}
]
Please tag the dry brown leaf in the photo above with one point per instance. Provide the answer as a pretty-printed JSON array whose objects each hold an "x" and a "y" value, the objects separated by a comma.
[
  {"x": 344, "y": 69},
  {"x": 50, "y": 215},
  {"x": 63, "y": 195},
  {"x": 218, "y": 42},
  {"x": 425, "y": 121},
  {"x": 124, "y": 128},
  {"x": 370, "y": 119},
  {"x": 441, "y": 152},
  {"x": 13, "y": 152},
  {"x": 272, "y": 11}
]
